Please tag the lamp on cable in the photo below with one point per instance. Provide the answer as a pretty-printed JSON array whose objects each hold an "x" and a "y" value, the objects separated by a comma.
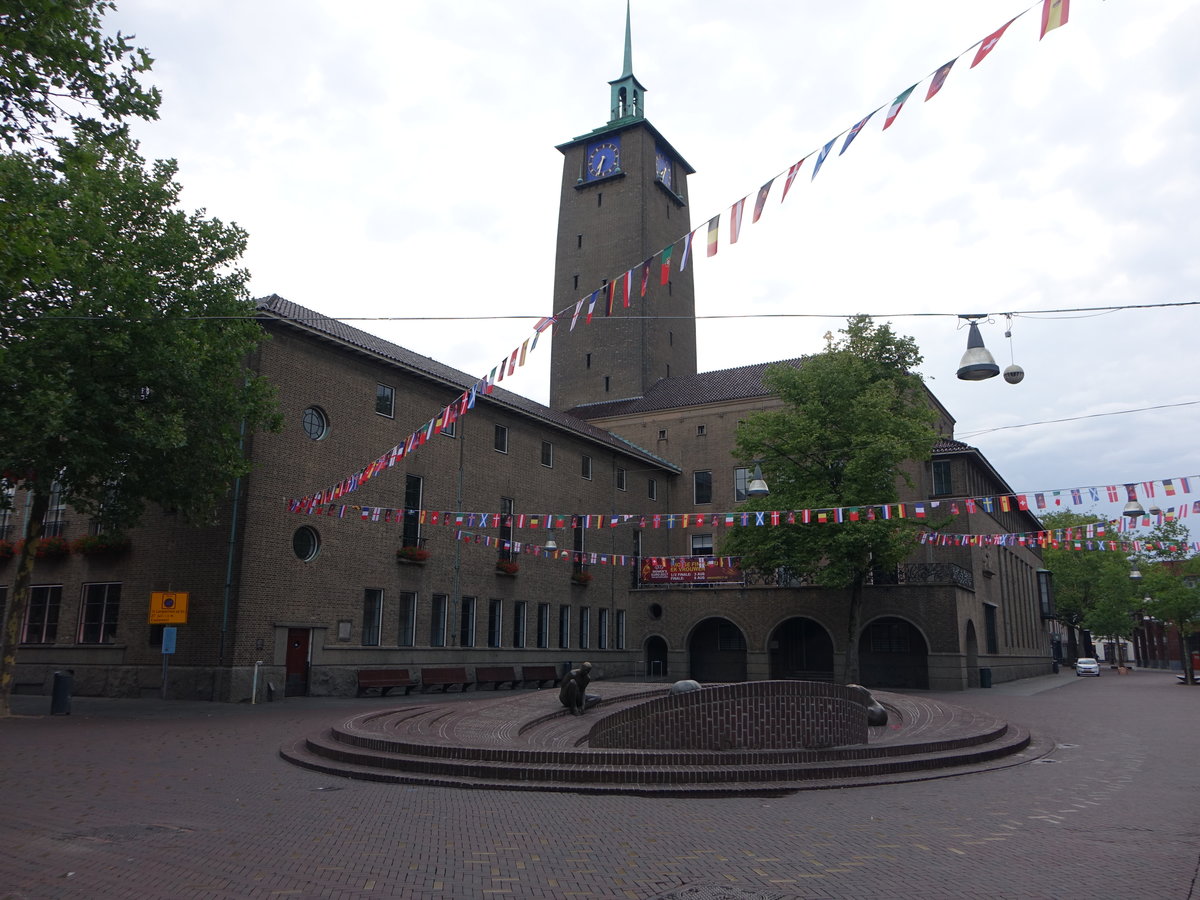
[
  {"x": 757, "y": 486},
  {"x": 977, "y": 363}
]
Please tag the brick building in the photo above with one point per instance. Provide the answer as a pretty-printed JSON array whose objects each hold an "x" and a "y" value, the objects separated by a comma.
[{"x": 632, "y": 432}]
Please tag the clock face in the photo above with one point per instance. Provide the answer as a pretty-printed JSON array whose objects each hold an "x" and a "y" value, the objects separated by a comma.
[
  {"x": 662, "y": 168},
  {"x": 603, "y": 158}
]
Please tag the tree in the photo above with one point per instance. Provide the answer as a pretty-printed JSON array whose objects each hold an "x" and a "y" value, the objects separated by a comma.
[
  {"x": 1169, "y": 578},
  {"x": 125, "y": 333},
  {"x": 853, "y": 416},
  {"x": 1084, "y": 579},
  {"x": 56, "y": 65}
]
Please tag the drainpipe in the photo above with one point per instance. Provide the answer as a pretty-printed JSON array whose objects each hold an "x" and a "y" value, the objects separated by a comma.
[{"x": 229, "y": 556}]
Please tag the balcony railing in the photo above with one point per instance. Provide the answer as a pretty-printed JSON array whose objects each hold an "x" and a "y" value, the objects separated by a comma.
[{"x": 924, "y": 573}]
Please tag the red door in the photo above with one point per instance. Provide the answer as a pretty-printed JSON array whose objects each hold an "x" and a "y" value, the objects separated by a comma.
[{"x": 296, "y": 684}]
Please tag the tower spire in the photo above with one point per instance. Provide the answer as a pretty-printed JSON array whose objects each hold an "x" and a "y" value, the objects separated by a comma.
[{"x": 628, "y": 95}]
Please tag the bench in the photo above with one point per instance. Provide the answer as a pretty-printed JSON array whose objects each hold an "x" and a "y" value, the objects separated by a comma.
[
  {"x": 496, "y": 676},
  {"x": 538, "y": 674},
  {"x": 385, "y": 680},
  {"x": 444, "y": 677}
]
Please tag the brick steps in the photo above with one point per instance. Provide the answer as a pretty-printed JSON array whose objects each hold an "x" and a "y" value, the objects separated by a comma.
[{"x": 525, "y": 744}]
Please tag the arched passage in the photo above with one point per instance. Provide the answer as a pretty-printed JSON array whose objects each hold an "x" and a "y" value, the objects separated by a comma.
[
  {"x": 893, "y": 653},
  {"x": 972, "y": 656},
  {"x": 801, "y": 649},
  {"x": 717, "y": 651},
  {"x": 656, "y": 657}
]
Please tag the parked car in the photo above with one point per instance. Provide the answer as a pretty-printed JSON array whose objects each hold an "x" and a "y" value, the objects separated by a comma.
[{"x": 1086, "y": 666}]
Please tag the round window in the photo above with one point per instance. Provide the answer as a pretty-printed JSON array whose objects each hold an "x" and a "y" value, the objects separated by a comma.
[
  {"x": 655, "y": 611},
  {"x": 316, "y": 425},
  {"x": 306, "y": 543}
]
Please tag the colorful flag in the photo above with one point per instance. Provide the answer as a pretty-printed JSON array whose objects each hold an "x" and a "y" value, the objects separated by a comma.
[
  {"x": 645, "y": 276},
  {"x": 1185, "y": 486},
  {"x": 714, "y": 227},
  {"x": 626, "y": 287},
  {"x": 791, "y": 176},
  {"x": 1054, "y": 13},
  {"x": 821, "y": 158},
  {"x": 761, "y": 200},
  {"x": 575, "y": 317},
  {"x": 735, "y": 220},
  {"x": 939, "y": 78},
  {"x": 687, "y": 246},
  {"x": 665, "y": 261},
  {"x": 856, "y": 129},
  {"x": 591, "y": 306},
  {"x": 894, "y": 109},
  {"x": 612, "y": 298},
  {"x": 512, "y": 361},
  {"x": 1112, "y": 493},
  {"x": 988, "y": 43},
  {"x": 1169, "y": 487},
  {"x": 543, "y": 323}
]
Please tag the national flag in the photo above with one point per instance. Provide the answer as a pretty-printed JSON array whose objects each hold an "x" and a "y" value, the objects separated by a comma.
[
  {"x": 988, "y": 43},
  {"x": 543, "y": 323},
  {"x": 791, "y": 176},
  {"x": 1131, "y": 492},
  {"x": 919, "y": 509},
  {"x": 901, "y": 512},
  {"x": 821, "y": 158},
  {"x": 575, "y": 316},
  {"x": 1112, "y": 493},
  {"x": 1185, "y": 485},
  {"x": 1040, "y": 499},
  {"x": 986, "y": 503},
  {"x": 1093, "y": 493},
  {"x": 1054, "y": 13},
  {"x": 665, "y": 261},
  {"x": 1169, "y": 487},
  {"x": 591, "y": 306},
  {"x": 939, "y": 78},
  {"x": 735, "y": 220},
  {"x": 645, "y": 276},
  {"x": 512, "y": 361},
  {"x": 1005, "y": 503},
  {"x": 626, "y": 287},
  {"x": 687, "y": 246},
  {"x": 714, "y": 227},
  {"x": 856, "y": 129},
  {"x": 894, "y": 109},
  {"x": 612, "y": 298},
  {"x": 524, "y": 351},
  {"x": 853, "y": 513},
  {"x": 761, "y": 200},
  {"x": 887, "y": 511},
  {"x": 1022, "y": 502},
  {"x": 1148, "y": 488},
  {"x": 1076, "y": 496},
  {"x": 970, "y": 506}
]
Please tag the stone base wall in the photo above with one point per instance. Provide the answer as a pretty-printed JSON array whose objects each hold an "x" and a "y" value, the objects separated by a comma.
[{"x": 755, "y": 715}]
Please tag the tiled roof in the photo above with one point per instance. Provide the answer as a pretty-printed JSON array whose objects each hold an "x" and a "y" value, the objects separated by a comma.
[
  {"x": 296, "y": 316},
  {"x": 742, "y": 383},
  {"x": 949, "y": 445}
]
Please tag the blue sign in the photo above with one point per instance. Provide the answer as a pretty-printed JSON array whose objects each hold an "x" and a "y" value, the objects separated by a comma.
[{"x": 168, "y": 646}]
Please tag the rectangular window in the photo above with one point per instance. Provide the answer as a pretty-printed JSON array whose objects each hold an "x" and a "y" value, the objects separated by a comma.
[
  {"x": 41, "y": 616},
  {"x": 518, "y": 632},
  {"x": 449, "y": 428},
  {"x": 548, "y": 454},
  {"x": 410, "y": 536},
  {"x": 406, "y": 634},
  {"x": 543, "y": 625},
  {"x": 620, "y": 478},
  {"x": 702, "y": 487},
  {"x": 702, "y": 545},
  {"x": 437, "y": 621},
  {"x": 500, "y": 439},
  {"x": 989, "y": 625},
  {"x": 602, "y": 625},
  {"x": 564, "y": 627},
  {"x": 652, "y": 488},
  {"x": 585, "y": 627},
  {"x": 495, "y": 621},
  {"x": 385, "y": 400},
  {"x": 372, "y": 616},
  {"x": 55, "y": 522},
  {"x": 941, "y": 477},
  {"x": 662, "y": 434},
  {"x": 466, "y": 623},
  {"x": 741, "y": 481},
  {"x": 98, "y": 618},
  {"x": 585, "y": 467},
  {"x": 7, "y": 491},
  {"x": 620, "y": 629},
  {"x": 507, "y": 507},
  {"x": 701, "y": 430}
]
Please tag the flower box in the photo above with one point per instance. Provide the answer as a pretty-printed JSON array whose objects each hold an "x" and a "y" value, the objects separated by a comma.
[
  {"x": 412, "y": 555},
  {"x": 581, "y": 577},
  {"x": 101, "y": 545},
  {"x": 47, "y": 548},
  {"x": 7, "y": 549},
  {"x": 507, "y": 567}
]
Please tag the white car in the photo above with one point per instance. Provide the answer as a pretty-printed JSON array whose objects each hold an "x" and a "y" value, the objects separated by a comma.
[{"x": 1087, "y": 666}]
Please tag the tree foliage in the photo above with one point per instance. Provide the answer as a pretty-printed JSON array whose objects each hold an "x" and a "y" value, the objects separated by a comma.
[
  {"x": 1171, "y": 584},
  {"x": 852, "y": 417},
  {"x": 56, "y": 65}
]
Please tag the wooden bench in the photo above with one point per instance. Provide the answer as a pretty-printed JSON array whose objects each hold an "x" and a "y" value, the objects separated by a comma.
[
  {"x": 496, "y": 676},
  {"x": 385, "y": 680},
  {"x": 445, "y": 677},
  {"x": 538, "y": 674}
]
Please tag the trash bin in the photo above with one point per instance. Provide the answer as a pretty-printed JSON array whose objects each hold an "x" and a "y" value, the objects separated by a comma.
[
  {"x": 1054, "y": 667},
  {"x": 985, "y": 678},
  {"x": 60, "y": 694}
]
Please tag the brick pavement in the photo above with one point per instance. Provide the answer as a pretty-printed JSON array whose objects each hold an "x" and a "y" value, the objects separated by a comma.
[{"x": 141, "y": 799}]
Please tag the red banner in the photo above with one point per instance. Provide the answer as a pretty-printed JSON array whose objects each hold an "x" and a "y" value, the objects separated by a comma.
[{"x": 689, "y": 570}]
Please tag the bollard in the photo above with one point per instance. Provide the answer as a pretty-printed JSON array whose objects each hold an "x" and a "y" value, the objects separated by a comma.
[{"x": 60, "y": 694}]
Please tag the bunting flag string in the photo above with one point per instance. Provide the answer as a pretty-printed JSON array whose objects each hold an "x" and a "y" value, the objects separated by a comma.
[{"x": 1054, "y": 14}]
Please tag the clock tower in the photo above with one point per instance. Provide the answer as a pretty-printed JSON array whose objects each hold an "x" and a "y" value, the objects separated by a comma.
[{"x": 623, "y": 203}]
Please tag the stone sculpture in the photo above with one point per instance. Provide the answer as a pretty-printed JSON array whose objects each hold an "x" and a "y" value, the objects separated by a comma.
[
  {"x": 572, "y": 693},
  {"x": 876, "y": 714}
]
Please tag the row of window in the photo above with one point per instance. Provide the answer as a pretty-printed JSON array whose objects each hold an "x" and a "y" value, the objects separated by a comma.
[
  {"x": 517, "y": 632},
  {"x": 98, "y": 614}
]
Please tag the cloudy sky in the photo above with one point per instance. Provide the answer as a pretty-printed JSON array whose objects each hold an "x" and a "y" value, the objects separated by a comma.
[{"x": 396, "y": 159}]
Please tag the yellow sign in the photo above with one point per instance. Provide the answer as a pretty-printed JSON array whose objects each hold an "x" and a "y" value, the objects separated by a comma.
[{"x": 168, "y": 608}]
